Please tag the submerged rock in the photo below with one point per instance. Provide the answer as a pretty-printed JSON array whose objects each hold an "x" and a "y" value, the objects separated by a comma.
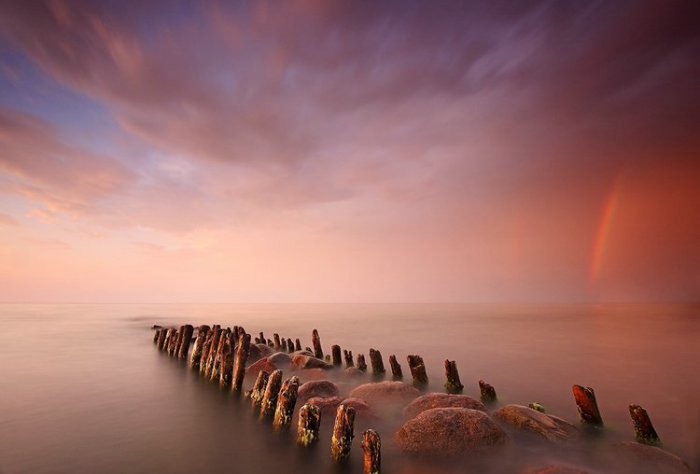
[
  {"x": 441, "y": 400},
  {"x": 449, "y": 432},
  {"x": 379, "y": 393},
  {"x": 262, "y": 364},
  {"x": 318, "y": 389},
  {"x": 533, "y": 421},
  {"x": 280, "y": 359},
  {"x": 630, "y": 455},
  {"x": 328, "y": 406},
  {"x": 303, "y": 361},
  {"x": 556, "y": 469},
  {"x": 354, "y": 372}
]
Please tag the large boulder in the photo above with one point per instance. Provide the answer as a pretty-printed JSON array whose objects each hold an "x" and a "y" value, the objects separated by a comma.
[
  {"x": 362, "y": 409},
  {"x": 441, "y": 400},
  {"x": 263, "y": 364},
  {"x": 316, "y": 388},
  {"x": 630, "y": 456},
  {"x": 259, "y": 351},
  {"x": 385, "y": 393},
  {"x": 526, "y": 419},
  {"x": 304, "y": 361},
  {"x": 444, "y": 432},
  {"x": 329, "y": 405},
  {"x": 280, "y": 359}
]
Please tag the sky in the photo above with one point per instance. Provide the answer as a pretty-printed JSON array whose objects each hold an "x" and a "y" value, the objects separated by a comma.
[{"x": 334, "y": 151}]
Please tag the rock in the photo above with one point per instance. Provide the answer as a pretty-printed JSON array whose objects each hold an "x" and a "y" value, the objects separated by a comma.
[
  {"x": 526, "y": 419},
  {"x": 303, "y": 361},
  {"x": 555, "y": 469},
  {"x": 262, "y": 364},
  {"x": 280, "y": 359},
  {"x": 316, "y": 388},
  {"x": 633, "y": 456},
  {"x": 327, "y": 405},
  {"x": 354, "y": 372},
  {"x": 450, "y": 431},
  {"x": 258, "y": 351},
  {"x": 362, "y": 409},
  {"x": 382, "y": 393},
  {"x": 306, "y": 375},
  {"x": 304, "y": 352},
  {"x": 441, "y": 400}
]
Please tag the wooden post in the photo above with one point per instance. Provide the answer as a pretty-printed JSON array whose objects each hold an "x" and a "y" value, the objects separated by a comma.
[
  {"x": 420, "y": 377},
  {"x": 396, "y": 372},
  {"x": 226, "y": 368},
  {"x": 215, "y": 362},
  {"x": 186, "y": 340},
  {"x": 361, "y": 364},
  {"x": 335, "y": 350},
  {"x": 162, "y": 338},
  {"x": 343, "y": 433},
  {"x": 276, "y": 344},
  {"x": 166, "y": 339},
  {"x": 643, "y": 429},
  {"x": 175, "y": 350},
  {"x": 285, "y": 404},
  {"x": 262, "y": 338},
  {"x": 290, "y": 345},
  {"x": 297, "y": 344},
  {"x": 348, "y": 358},
  {"x": 242, "y": 352},
  {"x": 587, "y": 405},
  {"x": 270, "y": 343},
  {"x": 210, "y": 347},
  {"x": 198, "y": 346},
  {"x": 488, "y": 393},
  {"x": 269, "y": 401},
  {"x": 309, "y": 423},
  {"x": 156, "y": 335},
  {"x": 375, "y": 358},
  {"x": 284, "y": 345},
  {"x": 316, "y": 340},
  {"x": 372, "y": 447},
  {"x": 256, "y": 394},
  {"x": 452, "y": 384}
]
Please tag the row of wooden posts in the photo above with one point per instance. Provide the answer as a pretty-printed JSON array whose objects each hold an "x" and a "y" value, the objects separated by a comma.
[{"x": 221, "y": 355}]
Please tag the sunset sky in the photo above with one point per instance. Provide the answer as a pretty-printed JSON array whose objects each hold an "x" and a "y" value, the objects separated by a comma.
[{"x": 354, "y": 151}]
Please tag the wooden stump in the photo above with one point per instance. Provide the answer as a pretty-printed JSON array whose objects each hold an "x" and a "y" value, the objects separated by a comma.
[
  {"x": 286, "y": 401},
  {"x": 226, "y": 369},
  {"x": 156, "y": 335},
  {"x": 276, "y": 344},
  {"x": 256, "y": 394},
  {"x": 452, "y": 383},
  {"x": 343, "y": 433},
  {"x": 375, "y": 358},
  {"x": 348, "y": 359},
  {"x": 372, "y": 447},
  {"x": 269, "y": 401},
  {"x": 316, "y": 340},
  {"x": 175, "y": 350},
  {"x": 488, "y": 393},
  {"x": 361, "y": 364},
  {"x": 210, "y": 348},
  {"x": 643, "y": 429},
  {"x": 284, "y": 346},
  {"x": 290, "y": 345},
  {"x": 186, "y": 341},
  {"x": 242, "y": 352},
  {"x": 309, "y": 423},
  {"x": 162, "y": 337},
  {"x": 396, "y": 372},
  {"x": 196, "y": 355},
  {"x": 587, "y": 405},
  {"x": 420, "y": 377},
  {"x": 215, "y": 362},
  {"x": 297, "y": 345},
  {"x": 335, "y": 350}
]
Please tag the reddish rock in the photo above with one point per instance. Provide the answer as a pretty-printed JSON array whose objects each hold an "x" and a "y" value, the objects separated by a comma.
[
  {"x": 382, "y": 393},
  {"x": 262, "y": 364},
  {"x": 526, "y": 419},
  {"x": 316, "y": 388},
  {"x": 555, "y": 469},
  {"x": 362, "y": 409},
  {"x": 444, "y": 432},
  {"x": 354, "y": 372},
  {"x": 327, "y": 405},
  {"x": 280, "y": 359},
  {"x": 258, "y": 351},
  {"x": 312, "y": 374},
  {"x": 630, "y": 456},
  {"x": 303, "y": 361},
  {"x": 441, "y": 400}
]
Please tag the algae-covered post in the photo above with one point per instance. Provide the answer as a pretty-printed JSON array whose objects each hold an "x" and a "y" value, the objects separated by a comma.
[
  {"x": 286, "y": 401},
  {"x": 587, "y": 405},
  {"x": 316, "y": 340},
  {"x": 396, "y": 372},
  {"x": 186, "y": 340},
  {"x": 269, "y": 401},
  {"x": 420, "y": 377},
  {"x": 335, "y": 350},
  {"x": 242, "y": 352},
  {"x": 361, "y": 364},
  {"x": 348, "y": 358},
  {"x": 256, "y": 394},
  {"x": 488, "y": 393},
  {"x": 309, "y": 423},
  {"x": 372, "y": 445},
  {"x": 343, "y": 433},
  {"x": 643, "y": 429},
  {"x": 196, "y": 355},
  {"x": 452, "y": 383},
  {"x": 375, "y": 358}
]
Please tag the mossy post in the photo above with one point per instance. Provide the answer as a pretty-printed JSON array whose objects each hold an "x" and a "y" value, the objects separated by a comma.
[
  {"x": 587, "y": 405},
  {"x": 335, "y": 350},
  {"x": 242, "y": 352},
  {"x": 277, "y": 344},
  {"x": 488, "y": 393},
  {"x": 198, "y": 346},
  {"x": 186, "y": 341},
  {"x": 361, "y": 364},
  {"x": 256, "y": 394},
  {"x": 316, "y": 340},
  {"x": 309, "y": 423},
  {"x": 372, "y": 447},
  {"x": 396, "y": 372},
  {"x": 286, "y": 401},
  {"x": 452, "y": 382},
  {"x": 420, "y": 377},
  {"x": 643, "y": 429},
  {"x": 375, "y": 358},
  {"x": 348, "y": 358},
  {"x": 343, "y": 433},
  {"x": 269, "y": 400}
]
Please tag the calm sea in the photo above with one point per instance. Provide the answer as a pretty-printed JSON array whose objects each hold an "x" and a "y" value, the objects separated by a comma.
[{"x": 83, "y": 389}]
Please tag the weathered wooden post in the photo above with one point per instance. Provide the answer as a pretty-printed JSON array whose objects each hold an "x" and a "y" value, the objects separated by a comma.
[
  {"x": 163, "y": 346},
  {"x": 420, "y": 377},
  {"x": 372, "y": 447},
  {"x": 162, "y": 338},
  {"x": 210, "y": 347},
  {"x": 316, "y": 340},
  {"x": 186, "y": 340},
  {"x": 343, "y": 433},
  {"x": 215, "y": 361},
  {"x": 256, "y": 394},
  {"x": 452, "y": 383},
  {"x": 242, "y": 352},
  {"x": 276, "y": 344},
  {"x": 290, "y": 345},
  {"x": 309, "y": 423},
  {"x": 335, "y": 350},
  {"x": 643, "y": 429},
  {"x": 156, "y": 335},
  {"x": 269, "y": 401},
  {"x": 285, "y": 404},
  {"x": 361, "y": 364},
  {"x": 375, "y": 358},
  {"x": 488, "y": 393},
  {"x": 396, "y": 372},
  {"x": 587, "y": 405},
  {"x": 198, "y": 346},
  {"x": 284, "y": 345},
  {"x": 270, "y": 343},
  {"x": 262, "y": 338},
  {"x": 226, "y": 369},
  {"x": 175, "y": 350},
  {"x": 297, "y": 344},
  {"x": 348, "y": 358}
]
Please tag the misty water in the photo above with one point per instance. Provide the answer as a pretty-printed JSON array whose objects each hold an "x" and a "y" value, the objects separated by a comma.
[{"x": 83, "y": 388}]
